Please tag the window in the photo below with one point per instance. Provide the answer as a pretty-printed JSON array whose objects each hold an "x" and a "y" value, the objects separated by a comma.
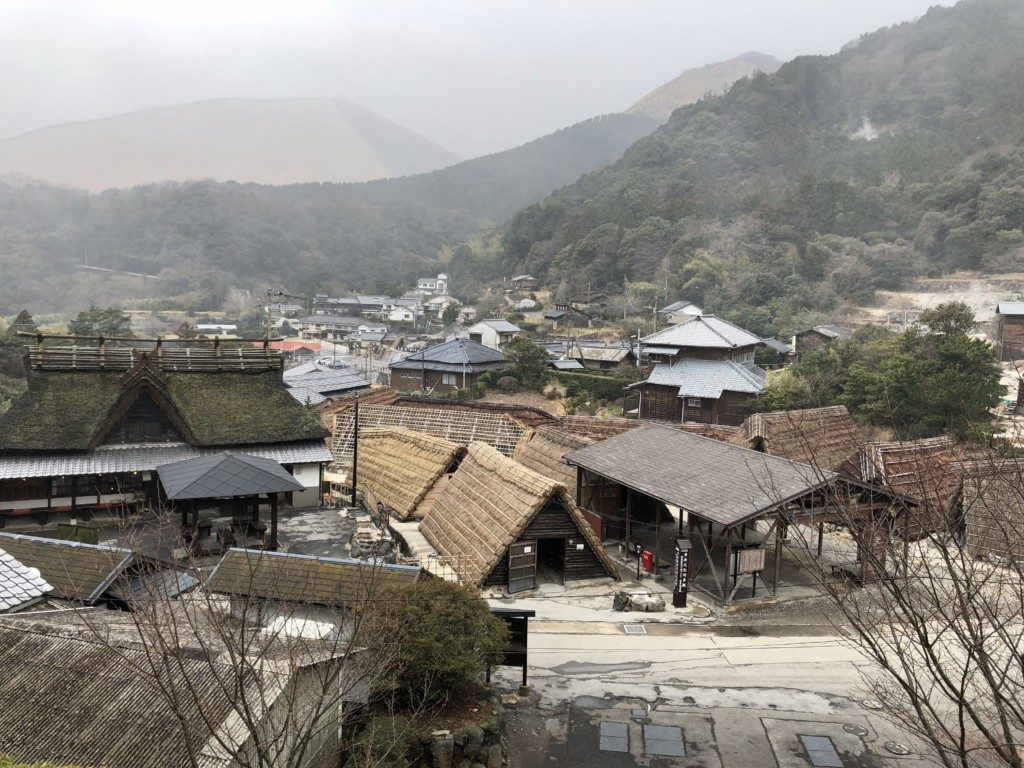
[
  {"x": 450, "y": 379},
  {"x": 24, "y": 489},
  {"x": 693, "y": 402}
]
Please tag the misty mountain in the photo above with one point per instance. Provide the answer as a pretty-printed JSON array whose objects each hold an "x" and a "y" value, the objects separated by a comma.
[
  {"x": 796, "y": 192},
  {"x": 281, "y": 141},
  {"x": 700, "y": 81}
]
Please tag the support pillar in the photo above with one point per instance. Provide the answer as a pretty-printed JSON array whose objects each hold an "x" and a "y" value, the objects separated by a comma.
[
  {"x": 273, "y": 522},
  {"x": 821, "y": 537},
  {"x": 778, "y": 555},
  {"x": 728, "y": 561}
]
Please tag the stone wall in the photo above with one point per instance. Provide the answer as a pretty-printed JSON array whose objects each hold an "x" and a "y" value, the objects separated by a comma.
[{"x": 476, "y": 746}]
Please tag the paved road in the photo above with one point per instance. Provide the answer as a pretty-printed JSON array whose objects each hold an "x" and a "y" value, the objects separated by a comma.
[{"x": 742, "y": 697}]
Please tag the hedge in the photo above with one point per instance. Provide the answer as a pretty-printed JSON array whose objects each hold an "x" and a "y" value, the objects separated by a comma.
[{"x": 601, "y": 387}]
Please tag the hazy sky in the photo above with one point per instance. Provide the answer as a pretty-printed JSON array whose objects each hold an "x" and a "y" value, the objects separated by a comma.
[{"x": 474, "y": 75}]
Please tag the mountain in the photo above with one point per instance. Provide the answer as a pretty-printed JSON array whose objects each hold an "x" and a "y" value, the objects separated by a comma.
[
  {"x": 200, "y": 237},
  {"x": 271, "y": 142},
  {"x": 698, "y": 82},
  {"x": 794, "y": 193}
]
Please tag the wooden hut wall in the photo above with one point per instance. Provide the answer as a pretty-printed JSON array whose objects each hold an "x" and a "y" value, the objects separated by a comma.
[
  {"x": 661, "y": 403},
  {"x": 554, "y": 522}
]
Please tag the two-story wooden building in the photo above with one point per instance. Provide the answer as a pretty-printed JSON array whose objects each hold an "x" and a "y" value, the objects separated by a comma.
[{"x": 445, "y": 367}]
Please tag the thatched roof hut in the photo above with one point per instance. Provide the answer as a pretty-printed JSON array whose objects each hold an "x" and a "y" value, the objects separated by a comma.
[
  {"x": 822, "y": 437},
  {"x": 399, "y": 467},
  {"x": 494, "y": 509},
  {"x": 545, "y": 453}
]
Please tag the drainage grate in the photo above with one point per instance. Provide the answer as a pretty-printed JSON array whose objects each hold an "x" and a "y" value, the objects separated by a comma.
[
  {"x": 856, "y": 730},
  {"x": 614, "y": 737},
  {"x": 664, "y": 740},
  {"x": 897, "y": 748},
  {"x": 634, "y": 629},
  {"x": 821, "y": 752}
]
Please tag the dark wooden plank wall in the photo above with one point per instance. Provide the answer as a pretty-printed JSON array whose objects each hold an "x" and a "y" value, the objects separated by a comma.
[
  {"x": 1011, "y": 337},
  {"x": 662, "y": 403}
]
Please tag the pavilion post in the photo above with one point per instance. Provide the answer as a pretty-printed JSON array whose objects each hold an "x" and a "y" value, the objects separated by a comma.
[
  {"x": 629, "y": 509},
  {"x": 273, "y": 522},
  {"x": 821, "y": 537},
  {"x": 728, "y": 561},
  {"x": 184, "y": 517},
  {"x": 657, "y": 538},
  {"x": 776, "y": 571}
]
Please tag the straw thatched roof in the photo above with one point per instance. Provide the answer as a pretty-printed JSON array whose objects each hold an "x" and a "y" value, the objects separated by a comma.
[
  {"x": 527, "y": 415},
  {"x": 332, "y": 405},
  {"x": 545, "y": 453},
  {"x": 923, "y": 470},
  {"x": 460, "y": 427},
  {"x": 993, "y": 507},
  {"x": 822, "y": 437},
  {"x": 487, "y": 505},
  {"x": 596, "y": 427},
  {"x": 398, "y": 467},
  {"x": 722, "y": 432}
]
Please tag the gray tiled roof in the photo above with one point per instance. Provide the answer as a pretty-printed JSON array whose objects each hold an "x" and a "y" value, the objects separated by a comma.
[
  {"x": 316, "y": 384},
  {"x": 675, "y": 306},
  {"x": 114, "y": 459},
  {"x": 452, "y": 356},
  {"x": 718, "y": 481},
  {"x": 501, "y": 326},
  {"x": 75, "y": 570},
  {"x": 19, "y": 584},
  {"x": 703, "y": 331},
  {"x": 223, "y": 475},
  {"x": 779, "y": 346},
  {"x": 708, "y": 378}
]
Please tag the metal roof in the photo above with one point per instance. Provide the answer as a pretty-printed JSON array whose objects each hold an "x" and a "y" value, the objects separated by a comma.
[
  {"x": 715, "y": 480},
  {"x": 114, "y": 459},
  {"x": 453, "y": 355},
  {"x": 1010, "y": 308},
  {"x": 708, "y": 378},
  {"x": 501, "y": 326},
  {"x": 703, "y": 331},
  {"x": 224, "y": 475},
  {"x": 567, "y": 365},
  {"x": 19, "y": 584}
]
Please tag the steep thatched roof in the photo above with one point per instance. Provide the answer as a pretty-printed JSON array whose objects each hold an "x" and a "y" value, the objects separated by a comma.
[
  {"x": 339, "y": 403},
  {"x": 485, "y": 507},
  {"x": 545, "y": 453},
  {"x": 596, "y": 427},
  {"x": 923, "y": 470},
  {"x": 460, "y": 427},
  {"x": 524, "y": 414},
  {"x": 822, "y": 437},
  {"x": 213, "y": 401},
  {"x": 398, "y": 467}
]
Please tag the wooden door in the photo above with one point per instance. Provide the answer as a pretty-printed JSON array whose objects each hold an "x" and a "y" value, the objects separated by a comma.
[{"x": 522, "y": 566}]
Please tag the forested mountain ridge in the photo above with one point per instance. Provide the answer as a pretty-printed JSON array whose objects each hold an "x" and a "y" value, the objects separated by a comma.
[{"x": 837, "y": 175}]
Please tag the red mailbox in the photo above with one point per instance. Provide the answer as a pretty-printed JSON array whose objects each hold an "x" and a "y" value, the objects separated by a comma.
[{"x": 648, "y": 561}]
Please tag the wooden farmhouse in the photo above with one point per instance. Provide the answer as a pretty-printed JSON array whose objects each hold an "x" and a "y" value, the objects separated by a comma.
[
  {"x": 97, "y": 421},
  {"x": 445, "y": 367},
  {"x": 703, "y": 372},
  {"x": 498, "y": 523},
  {"x": 401, "y": 472},
  {"x": 1010, "y": 330}
]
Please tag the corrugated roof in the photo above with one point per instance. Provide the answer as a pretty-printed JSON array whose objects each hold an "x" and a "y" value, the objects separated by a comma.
[
  {"x": 705, "y": 331},
  {"x": 115, "y": 459},
  {"x": 19, "y": 583},
  {"x": 75, "y": 570},
  {"x": 1010, "y": 308},
  {"x": 708, "y": 378},
  {"x": 713, "y": 479},
  {"x": 224, "y": 475},
  {"x": 453, "y": 355}
]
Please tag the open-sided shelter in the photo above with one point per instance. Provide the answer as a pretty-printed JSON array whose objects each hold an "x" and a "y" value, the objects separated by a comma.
[
  {"x": 823, "y": 437},
  {"x": 401, "y": 471},
  {"x": 655, "y": 484},
  {"x": 498, "y": 523}
]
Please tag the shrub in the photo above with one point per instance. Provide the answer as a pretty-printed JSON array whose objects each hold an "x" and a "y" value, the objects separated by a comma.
[{"x": 384, "y": 743}]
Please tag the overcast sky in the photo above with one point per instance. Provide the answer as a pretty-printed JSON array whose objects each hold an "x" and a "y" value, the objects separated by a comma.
[{"x": 474, "y": 75}]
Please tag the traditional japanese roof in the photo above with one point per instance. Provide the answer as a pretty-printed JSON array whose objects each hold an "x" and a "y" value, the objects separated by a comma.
[
  {"x": 291, "y": 578},
  {"x": 566, "y": 365},
  {"x": 76, "y": 396},
  {"x": 116, "y": 459},
  {"x": 922, "y": 470},
  {"x": 501, "y": 326},
  {"x": 20, "y": 585},
  {"x": 527, "y": 415},
  {"x": 398, "y": 467},
  {"x": 224, "y": 475},
  {"x": 830, "y": 331},
  {"x": 824, "y": 437},
  {"x": 716, "y": 480},
  {"x": 76, "y": 571},
  {"x": 545, "y": 453},
  {"x": 596, "y": 427},
  {"x": 779, "y": 346},
  {"x": 1010, "y": 308},
  {"x": 487, "y": 505},
  {"x": 705, "y": 331},
  {"x": 314, "y": 383},
  {"x": 339, "y": 403},
  {"x": 679, "y": 306},
  {"x": 338, "y": 321},
  {"x": 601, "y": 354},
  {"x": 695, "y": 377},
  {"x": 455, "y": 356},
  {"x": 458, "y": 426}
]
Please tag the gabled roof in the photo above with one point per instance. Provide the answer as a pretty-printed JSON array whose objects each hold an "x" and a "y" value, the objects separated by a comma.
[
  {"x": 601, "y": 354},
  {"x": 1010, "y": 308},
  {"x": 501, "y": 326},
  {"x": 224, "y": 475},
  {"x": 487, "y": 505},
  {"x": 831, "y": 331},
  {"x": 316, "y": 384},
  {"x": 679, "y": 306},
  {"x": 705, "y": 331},
  {"x": 596, "y": 427},
  {"x": 710, "y": 478},
  {"x": 341, "y": 321},
  {"x": 397, "y": 467},
  {"x": 823, "y": 437},
  {"x": 708, "y": 378},
  {"x": 545, "y": 454},
  {"x": 453, "y": 356},
  {"x": 302, "y": 579},
  {"x": 19, "y": 584},
  {"x": 779, "y": 346},
  {"x": 81, "y": 572}
]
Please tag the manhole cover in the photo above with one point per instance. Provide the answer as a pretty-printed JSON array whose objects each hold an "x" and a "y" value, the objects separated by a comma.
[
  {"x": 896, "y": 748},
  {"x": 856, "y": 730},
  {"x": 634, "y": 629},
  {"x": 871, "y": 704}
]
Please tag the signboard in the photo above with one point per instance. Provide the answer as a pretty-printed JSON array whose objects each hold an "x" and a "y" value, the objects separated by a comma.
[{"x": 682, "y": 583}]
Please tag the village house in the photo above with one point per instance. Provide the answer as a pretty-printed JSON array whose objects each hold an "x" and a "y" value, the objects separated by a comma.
[
  {"x": 565, "y": 316},
  {"x": 493, "y": 334},
  {"x": 602, "y": 357},
  {"x": 97, "y": 421},
  {"x": 498, "y": 523},
  {"x": 589, "y": 300},
  {"x": 467, "y": 315},
  {"x": 436, "y": 305},
  {"x": 524, "y": 283},
  {"x": 680, "y": 311},
  {"x": 1010, "y": 330},
  {"x": 817, "y": 337},
  {"x": 826, "y": 437},
  {"x": 704, "y": 372},
  {"x": 340, "y": 305},
  {"x": 295, "y": 352},
  {"x": 446, "y": 367},
  {"x": 327, "y": 327},
  {"x": 432, "y": 286}
]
